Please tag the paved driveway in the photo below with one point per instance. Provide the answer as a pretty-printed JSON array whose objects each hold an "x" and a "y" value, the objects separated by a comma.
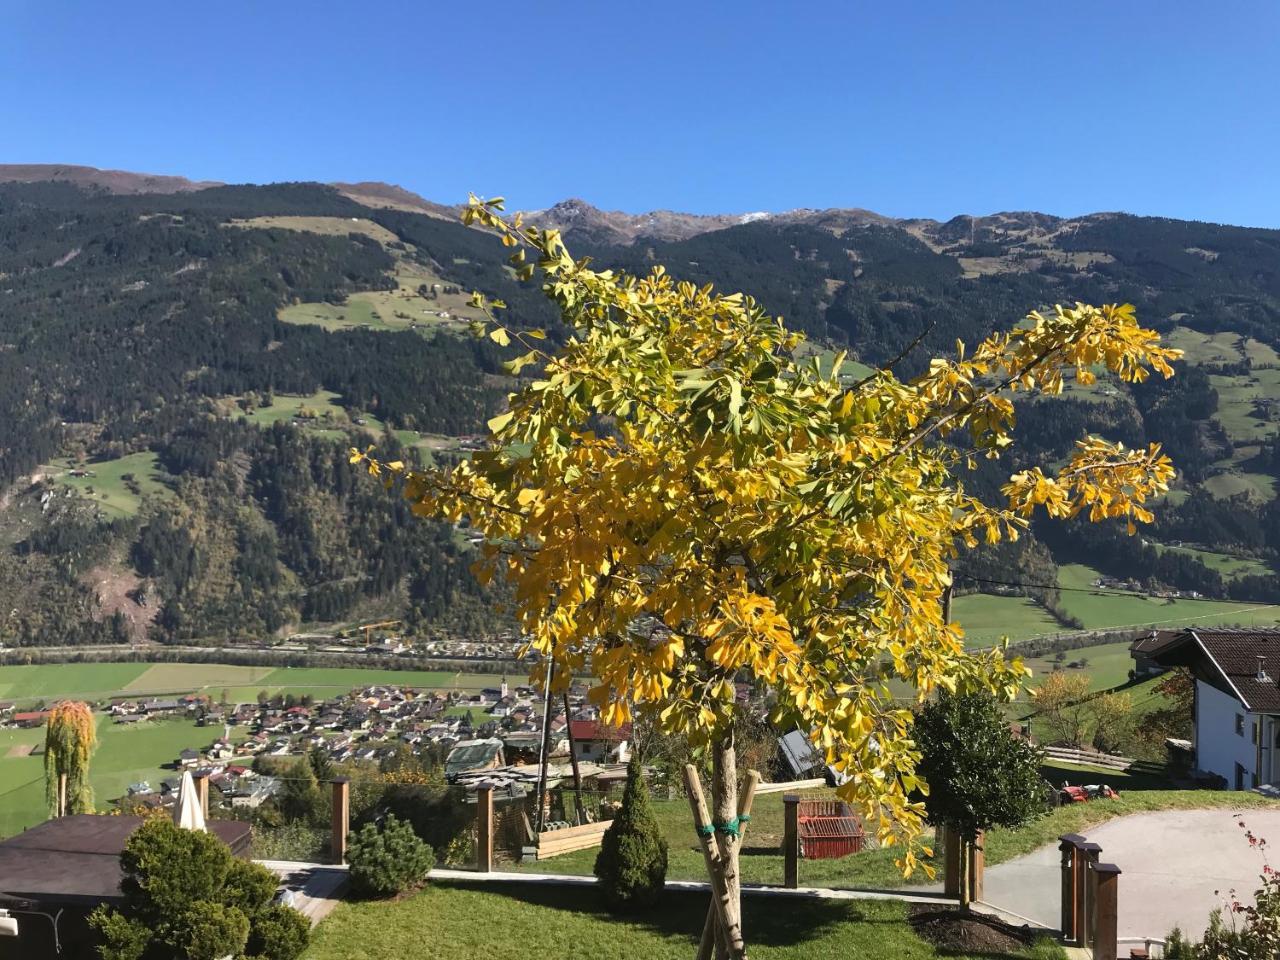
[{"x": 1177, "y": 866}]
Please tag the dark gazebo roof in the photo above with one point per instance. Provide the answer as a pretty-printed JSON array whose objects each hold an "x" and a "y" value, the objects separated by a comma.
[{"x": 76, "y": 859}]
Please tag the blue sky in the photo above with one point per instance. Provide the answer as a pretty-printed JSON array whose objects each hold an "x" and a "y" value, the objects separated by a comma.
[{"x": 910, "y": 109}]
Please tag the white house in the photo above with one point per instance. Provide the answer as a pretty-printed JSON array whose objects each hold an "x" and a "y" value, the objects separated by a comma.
[{"x": 1237, "y": 699}]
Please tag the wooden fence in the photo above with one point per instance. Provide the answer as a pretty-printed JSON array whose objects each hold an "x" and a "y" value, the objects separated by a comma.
[{"x": 1097, "y": 759}]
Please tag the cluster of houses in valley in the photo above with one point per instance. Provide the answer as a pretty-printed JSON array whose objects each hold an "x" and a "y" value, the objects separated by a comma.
[{"x": 488, "y": 737}]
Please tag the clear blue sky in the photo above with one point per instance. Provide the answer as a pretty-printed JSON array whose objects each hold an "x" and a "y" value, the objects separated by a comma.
[{"x": 911, "y": 109}]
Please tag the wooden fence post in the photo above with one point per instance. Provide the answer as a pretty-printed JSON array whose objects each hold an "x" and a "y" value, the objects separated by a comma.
[
  {"x": 1089, "y": 854},
  {"x": 340, "y": 819},
  {"x": 977, "y": 865},
  {"x": 1105, "y": 903},
  {"x": 791, "y": 840},
  {"x": 484, "y": 829},
  {"x": 1068, "y": 845},
  {"x": 200, "y": 780}
]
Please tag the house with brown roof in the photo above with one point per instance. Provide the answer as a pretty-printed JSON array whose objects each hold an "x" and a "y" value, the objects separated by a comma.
[{"x": 1237, "y": 698}]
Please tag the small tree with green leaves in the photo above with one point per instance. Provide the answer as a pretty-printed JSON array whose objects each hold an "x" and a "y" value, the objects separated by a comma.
[
  {"x": 978, "y": 773},
  {"x": 632, "y": 862},
  {"x": 186, "y": 895},
  {"x": 384, "y": 862}
]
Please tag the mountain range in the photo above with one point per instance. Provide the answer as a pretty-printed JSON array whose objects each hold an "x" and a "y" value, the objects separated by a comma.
[{"x": 183, "y": 365}]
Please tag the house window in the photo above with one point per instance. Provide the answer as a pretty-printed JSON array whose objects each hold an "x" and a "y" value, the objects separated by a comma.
[{"x": 1239, "y": 725}]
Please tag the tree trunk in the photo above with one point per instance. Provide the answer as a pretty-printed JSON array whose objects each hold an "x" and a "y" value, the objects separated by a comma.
[
  {"x": 728, "y": 913},
  {"x": 573, "y": 759},
  {"x": 724, "y": 805}
]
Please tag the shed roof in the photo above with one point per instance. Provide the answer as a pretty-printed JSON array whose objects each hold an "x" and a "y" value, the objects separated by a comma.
[{"x": 76, "y": 859}]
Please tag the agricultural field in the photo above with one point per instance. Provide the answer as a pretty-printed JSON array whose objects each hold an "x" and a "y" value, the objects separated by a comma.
[
  {"x": 1221, "y": 347},
  {"x": 1259, "y": 486},
  {"x": 1107, "y": 664},
  {"x": 100, "y": 681},
  {"x": 115, "y": 486},
  {"x": 1230, "y": 567},
  {"x": 126, "y": 754},
  {"x": 1239, "y": 401},
  {"x": 1102, "y": 609},
  {"x": 987, "y": 618}
]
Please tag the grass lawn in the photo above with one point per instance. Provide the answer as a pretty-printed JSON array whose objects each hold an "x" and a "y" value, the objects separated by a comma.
[
  {"x": 449, "y": 921},
  {"x": 987, "y": 617},
  {"x": 1102, "y": 609},
  {"x": 126, "y": 754},
  {"x": 107, "y": 487}
]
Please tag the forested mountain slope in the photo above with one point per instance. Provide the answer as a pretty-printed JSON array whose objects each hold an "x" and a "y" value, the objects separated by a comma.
[{"x": 182, "y": 372}]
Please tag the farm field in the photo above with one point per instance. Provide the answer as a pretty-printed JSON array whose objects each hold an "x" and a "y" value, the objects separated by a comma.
[
  {"x": 126, "y": 754},
  {"x": 1237, "y": 396},
  {"x": 1227, "y": 565},
  {"x": 1221, "y": 347},
  {"x": 1259, "y": 486},
  {"x": 98, "y": 681},
  {"x": 987, "y": 617},
  {"x": 1101, "y": 609},
  {"x": 108, "y": 488},
  {"x": 1107, "y": 664}
]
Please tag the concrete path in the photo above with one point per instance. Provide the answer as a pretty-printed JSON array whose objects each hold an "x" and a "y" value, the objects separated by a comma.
[
  {"x": 316, "y": 887},
  {"x": 1177, "y": 866}
]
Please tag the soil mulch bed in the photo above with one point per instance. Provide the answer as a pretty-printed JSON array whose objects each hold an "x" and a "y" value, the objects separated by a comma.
[{"x": 968, "y": 931}]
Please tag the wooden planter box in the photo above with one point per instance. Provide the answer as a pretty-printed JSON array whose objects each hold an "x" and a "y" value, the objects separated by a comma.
[{"x": 552, "y": 843}]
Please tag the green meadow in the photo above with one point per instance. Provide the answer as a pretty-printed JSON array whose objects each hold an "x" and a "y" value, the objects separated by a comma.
[
  {"x": 116, "y": 486},
  {"x": 100, "y": 681},
  {"x": 127, "y": 753}
]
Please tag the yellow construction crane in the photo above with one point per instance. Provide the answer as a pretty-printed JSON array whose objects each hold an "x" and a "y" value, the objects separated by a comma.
[{"x": 368, "y": 629}]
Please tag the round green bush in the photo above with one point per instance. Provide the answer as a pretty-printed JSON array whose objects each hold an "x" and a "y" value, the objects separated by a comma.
[
  {"x": 632, "y": 862},
  {"x": 384, "y": 862},
  {"x": 278, "y": 933}
]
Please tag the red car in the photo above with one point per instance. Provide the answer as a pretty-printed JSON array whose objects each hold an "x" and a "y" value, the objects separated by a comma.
[{"x": 1092, "y": 791}]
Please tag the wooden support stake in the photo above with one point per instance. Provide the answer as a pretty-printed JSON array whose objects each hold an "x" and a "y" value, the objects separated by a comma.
[
  {"x": 1105, "y": 910},
  {"x": 62, "y": 794},
  {"x": 341, "y": 819},
  {"x": 484, "y": 829},
  {"x": 745, "y": 801},
  {"x": 977, "y": 866},
  {"x": 1067, "y": 845},
  {"x": 729, "y": 925},
  {"x": 790, "y": 840}
]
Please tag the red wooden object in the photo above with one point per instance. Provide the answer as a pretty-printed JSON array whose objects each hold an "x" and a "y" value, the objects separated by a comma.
[{"x": 829, "y": 829}]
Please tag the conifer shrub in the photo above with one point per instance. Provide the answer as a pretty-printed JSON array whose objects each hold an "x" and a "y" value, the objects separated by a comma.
[
  {"x": 386, "y": 861},
  {"x": 632, "y": 862}
]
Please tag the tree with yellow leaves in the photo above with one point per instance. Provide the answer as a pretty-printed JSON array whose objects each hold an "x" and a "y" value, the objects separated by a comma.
[
  {"x": 71, "y": 736},
  {"x": 682, "y": 501}
]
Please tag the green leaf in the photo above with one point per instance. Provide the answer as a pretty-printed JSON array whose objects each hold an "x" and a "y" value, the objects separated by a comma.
[{"x": 501, "y": 420}]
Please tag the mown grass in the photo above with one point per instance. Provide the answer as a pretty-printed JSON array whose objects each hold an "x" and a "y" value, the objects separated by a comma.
[
  {"x": 1228, "y": 566},
  {"x": 987, "y": 617},
  {"x": 100, "y": 681},
  {"x": 1102, "y": 609},
  {"x": 449, "y": 921},
  {"x": 126, "y": 754},
  {"x": 115, "y": 496}
]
